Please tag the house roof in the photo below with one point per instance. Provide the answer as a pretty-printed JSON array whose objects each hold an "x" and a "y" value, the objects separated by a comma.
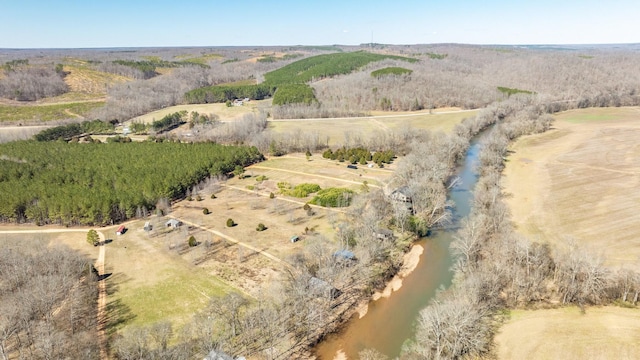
[
  {"x": 173, "y": 222},
  {"x": 345, "y": 254}
]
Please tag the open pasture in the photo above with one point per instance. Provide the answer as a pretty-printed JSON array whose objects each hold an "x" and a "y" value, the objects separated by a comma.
[
  {"x": 47, "y": 112},
  {"x": 224, "y": 112},
  {"x": 579, "y": 182},
  {"x": 366, "y": 127},
  {"x": 601, "y": 333}
]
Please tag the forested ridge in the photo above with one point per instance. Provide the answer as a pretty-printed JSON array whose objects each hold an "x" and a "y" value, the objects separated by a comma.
[
  {"x": 291, "y": 80},
  {"x": 70, "y": 183}
]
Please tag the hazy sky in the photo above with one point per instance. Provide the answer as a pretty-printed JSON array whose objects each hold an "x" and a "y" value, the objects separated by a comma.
[{"x": 124, "y": 23}]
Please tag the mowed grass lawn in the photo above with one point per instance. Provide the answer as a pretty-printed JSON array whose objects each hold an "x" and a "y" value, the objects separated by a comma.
[
  {"x": 579, "y": 182},
  {"x": 150, "y": 283},
  {"x": 601, "y": 333},
  {"x": 365, "y": 127}
]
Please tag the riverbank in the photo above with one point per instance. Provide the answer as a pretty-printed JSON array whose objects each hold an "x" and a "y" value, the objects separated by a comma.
[
  {"x": 410, "y": 261},
  {"x": 385, "y": 321}
]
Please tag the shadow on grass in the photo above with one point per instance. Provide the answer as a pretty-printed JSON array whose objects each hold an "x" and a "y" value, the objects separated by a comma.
[{"x": 117, "y": 315}]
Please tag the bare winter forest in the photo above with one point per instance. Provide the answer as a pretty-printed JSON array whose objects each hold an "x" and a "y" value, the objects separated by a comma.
[{"x": 516, "y": 91}]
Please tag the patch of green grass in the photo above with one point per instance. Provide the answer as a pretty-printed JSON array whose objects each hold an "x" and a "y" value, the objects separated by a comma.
[
  {"x": 585, "y": 118},
  {"x": 47, "y": 112},
  {"x": 203, "y": 59},
  {"x": 585, "y": 56},
  {"x": 176, "y": 298}
]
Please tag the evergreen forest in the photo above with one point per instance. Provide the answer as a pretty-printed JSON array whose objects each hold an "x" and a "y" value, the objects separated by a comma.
[{"x": 97, "y": 184}]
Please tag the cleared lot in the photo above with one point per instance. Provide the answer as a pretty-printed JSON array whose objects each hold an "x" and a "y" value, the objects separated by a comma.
[
  {"x": 601, "y": 333},
  {"x": 580, "y": 181}
]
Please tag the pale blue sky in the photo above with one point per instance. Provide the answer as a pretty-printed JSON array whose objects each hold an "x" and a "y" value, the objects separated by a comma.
[{"x": 121, "y": 23}]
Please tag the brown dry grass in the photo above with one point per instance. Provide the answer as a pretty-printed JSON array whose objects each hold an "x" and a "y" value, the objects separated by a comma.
[
  {"x": 601, "y": 333},
  {"x": 580, "y": 181},
  {"x": 223, "y": 111},
  {"x": 365, "y": 127},
  {"x": 83, "y": 80}
]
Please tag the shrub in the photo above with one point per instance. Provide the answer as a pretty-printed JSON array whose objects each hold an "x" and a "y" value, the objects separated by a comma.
[
  {"x": 93, "y": 238},
  {"x": 250, "y": 187},
  {"x": 261, "y": 178},
  {"x": 213, "y": 196},
  {"x": 261, "y": 227},
  {"x": 333, "y": 197},
  {"x": 301, "y": 190},
  {"x": 230, "y": 223},
  {"x": 271, "y": 195},
  {"x": 192, "y": 241},
  {"x": 206, "y": 211}
]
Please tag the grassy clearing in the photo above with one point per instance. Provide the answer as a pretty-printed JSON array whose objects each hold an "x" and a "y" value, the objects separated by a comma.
[
  {"x": 82, "y": 79},
  {"x": 579, "y": 182},
  {"x": 366, "y": 127},
  {"x": 224, "y": 112},
  {"x": 150, "y": 283},
  {"x": 601, "y": 333},
  {"x": 202, "y": 59},
  {"x": 295, "y": 169},
  {"x": 48, "y": 112}
]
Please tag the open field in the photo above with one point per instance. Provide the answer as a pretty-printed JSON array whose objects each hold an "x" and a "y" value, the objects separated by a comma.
[
  {"x": 601, "y": 333},
  {"x": 12, "y": 133},
  {"x": 46, "y": 112},
  {"x": 81, "y": 79},
  {"x": 580, "y": 181},
  {"x": 222, "y": 110},
  {"x": 335, "y": 128},
  {"x": 295, "y": 169},
  {"x": 149, "y": 282}
]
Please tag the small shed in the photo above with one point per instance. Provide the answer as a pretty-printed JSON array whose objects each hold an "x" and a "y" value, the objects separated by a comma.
[
  {"x": 173, "y": 223},
  {"x": 295, "y": 238},
  {"x": 147, "y": 226},
  {"x": 121, "y": 230}
]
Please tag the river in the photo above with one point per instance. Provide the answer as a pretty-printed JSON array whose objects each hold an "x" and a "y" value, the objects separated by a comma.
[{"x": 390, "y": 322}]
